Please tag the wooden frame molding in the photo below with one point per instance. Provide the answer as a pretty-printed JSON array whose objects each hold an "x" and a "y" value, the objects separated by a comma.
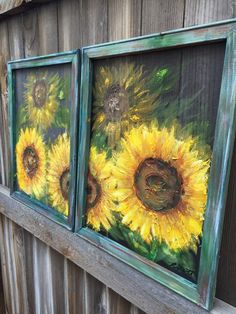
[{"x": 144, "y": 292}]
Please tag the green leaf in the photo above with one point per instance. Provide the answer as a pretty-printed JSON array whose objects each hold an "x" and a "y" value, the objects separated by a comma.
[
  {"x": 22, "y": 120},
  {"x": 99, "y": 140},
  {"x": 62, "y": 117},
  {"x": 61, "y": 95}
]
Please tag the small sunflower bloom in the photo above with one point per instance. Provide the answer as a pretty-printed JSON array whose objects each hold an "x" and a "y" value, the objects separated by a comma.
[
  {"x": 41, "y": 99},
  {"x": 99, "y": 191},
  {"x": 120, "y": 97},
  {"x": 31, "y": 162},
  {"x": 59, "y": 174}
]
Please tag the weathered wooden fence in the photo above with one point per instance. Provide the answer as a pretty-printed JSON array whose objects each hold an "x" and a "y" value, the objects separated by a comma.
[{"x": 36, "y": 278}]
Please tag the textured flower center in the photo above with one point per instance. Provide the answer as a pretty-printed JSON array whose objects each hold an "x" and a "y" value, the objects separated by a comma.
[
  {"x": 40, "y": 93},
  {"x": 30, "y": 161},
  {"x": 65, "y": 183},
  {"x": 158, "y": 184},
  {"x": 115, "y": 102},
  {"x": 93, "y": 191}
]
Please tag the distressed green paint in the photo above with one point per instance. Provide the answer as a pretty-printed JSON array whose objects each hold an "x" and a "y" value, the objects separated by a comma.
[
  {"x": 162, "y": 40},
  {"x": 84, "y": 136},
  {"x": 219, "y": 176},
  {"x": 162, "y": 275},
  {"x": 71, "y": 57},
  {"x": 201, "y": 293}
]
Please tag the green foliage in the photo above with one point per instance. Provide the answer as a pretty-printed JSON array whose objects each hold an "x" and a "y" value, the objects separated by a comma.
[
  {"x": 65, "y": 89},
  {"x": 61, "y": 95},
  {"x": 180, "y": 261},
  {"x": 62, "y": 118},
  {"x": 99, "y": 139},
  {"x": 161, "y": 81},
  {"x": 21, "y": 120}
]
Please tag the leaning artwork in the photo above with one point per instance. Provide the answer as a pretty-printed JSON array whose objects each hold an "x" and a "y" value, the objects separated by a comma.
[
  {"x": 42, "y": 107},
  {"x": 156, "y": 153}
]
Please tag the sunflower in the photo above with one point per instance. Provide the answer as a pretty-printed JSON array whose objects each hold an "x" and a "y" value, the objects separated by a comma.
[
  {"x": 99, "y": 200},
  {"x": 59, "y": 173},
  {"x": 41, "y": 98},
  {"x": 161, "y": 186},
  {"x": 121, "y": 96},
  {"x": 31, "y": 162}
]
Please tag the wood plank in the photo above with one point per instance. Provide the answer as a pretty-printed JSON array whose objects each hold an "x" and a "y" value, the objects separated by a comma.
[
  {"x": 206, "y": 11},
  {"x": 93, "y": 15},
  {"x": 42, "y": 270},
  {"x": 81, "y": 23},
  {"x": 118, "y": 304},
  {"x": 6, "y": 275},
  {"x": 15, "y": 33},
  {"x": 58, "y": 285},
  {"x": 69, "y": 24},
  {"x": 162, "y": 15},
  {"x": 30, "y": 284},
  {"x": 18, "y": 267},
  {"x": 4, "y": 47},
  {"x": 4, "y": 135},
  {"x": 67, "y": 281},
  {"x": 135, "y": 310},
  {"x": 48, "y": 28},
  {"x": 2, "y": 303},
  {"x": 95, "y": 296},
  {"x": 74, "y": 288},
  {"x": 12, "y": 259},
  {"x": 31, "y": 33},
  {"x": 124, "y": 19},
  {"x": 142, "y": 291}
]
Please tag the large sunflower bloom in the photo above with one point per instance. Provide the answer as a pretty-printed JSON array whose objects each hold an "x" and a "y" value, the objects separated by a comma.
[
  {"x": 41, "y": 99},
  {"x": 162, "y": 186},
  {"x": 59, "y": 173},
  {"x": 31, "y": 162},
  {"x": 99, "y": 199},
  {"x": 121, "y": 96}
]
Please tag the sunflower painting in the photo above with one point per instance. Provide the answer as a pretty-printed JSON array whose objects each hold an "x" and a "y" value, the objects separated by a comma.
[
  {"x": 122, "y": 96},
  {"x": 42, "y": 136},
  {"x": 41, "y": 98},
  {"x": 150, "y": 156}
]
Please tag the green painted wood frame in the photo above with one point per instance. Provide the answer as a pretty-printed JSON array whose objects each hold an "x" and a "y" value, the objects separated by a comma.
[
  {"x": 203, "y": 291},
  {"x": 70, "y": 57}
]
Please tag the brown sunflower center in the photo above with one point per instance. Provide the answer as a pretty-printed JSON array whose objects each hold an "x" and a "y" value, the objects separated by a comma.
[
  {"x": 93, "y": 191},
  {"x": 30, "y": 161},
  {"x": 115, "y": 102},
  {"x": 65, "y": 183},
  {"x": 40, "y": 93},
  {"x": 158, "y": 184}
]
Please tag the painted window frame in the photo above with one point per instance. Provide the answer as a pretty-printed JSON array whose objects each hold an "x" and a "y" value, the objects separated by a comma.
[
  {"x": 70, "y": 57},
  {"x": 203, "y": 291}
]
